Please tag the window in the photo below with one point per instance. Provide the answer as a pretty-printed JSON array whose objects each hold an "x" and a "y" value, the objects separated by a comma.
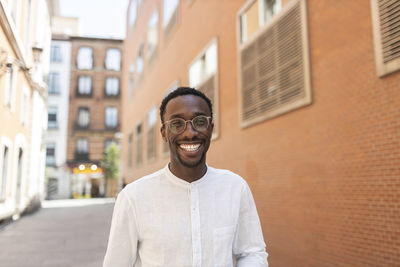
[
  {"x": 139, "y": 148},
  {"x": 170, "y": 16},
  {"x": 151, "y": 133},
  {"x": 85, "y": 58},
  {"x": 52, "y": 117},
  {"x": 130, "y": 147},
  {"x": 139, "y": 62},
  {"x": 132, "y": 12},
  {"x": 257, "y": 14},
  {"x": 113, "y": 59},
  {"x": 10, "y": 83},
  {"x": 386, "y": 29},
  {"x": 112, "y": 86},
  {"x": 25, "y": 106},
  {"x": 54, "y": 83},
  {"x": 111, "y": 117},
  {"x": 274, "y": 66},
  {"x": 51, "y": 154},
  {"x": 84, "y": 86},
  {"x": 55, "y": 53},
  {"x": 165, "y": 146},
  {"x": 203, "y": 76},
  {"x": 82, "y": 149},
  {"x": 4, "y": 173},
  {"x": 152, "y": 34},
  {"x": 131, "y": 79},
  {"x": 83, "y": 117}
]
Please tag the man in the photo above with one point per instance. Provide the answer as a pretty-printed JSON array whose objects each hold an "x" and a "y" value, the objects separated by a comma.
[{"x": 188, "y": 213}]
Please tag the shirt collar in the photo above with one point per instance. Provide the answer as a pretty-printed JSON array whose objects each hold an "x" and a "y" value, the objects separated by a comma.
[{"x": 176, "y": 180}]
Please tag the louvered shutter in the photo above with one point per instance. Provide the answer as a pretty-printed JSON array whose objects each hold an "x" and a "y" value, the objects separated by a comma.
[
  {"x": 209, "y": 88},
  {"x": 274, "y": 67},
  {"x": 386, "y": 21}
]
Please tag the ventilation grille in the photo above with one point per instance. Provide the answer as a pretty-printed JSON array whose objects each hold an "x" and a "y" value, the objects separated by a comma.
[
  {"x": 389, "y": 16},
  {"x": 272, "y": 68}
]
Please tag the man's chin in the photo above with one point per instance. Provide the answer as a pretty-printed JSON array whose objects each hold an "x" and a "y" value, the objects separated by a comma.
[{"x": 189, "y": 164}]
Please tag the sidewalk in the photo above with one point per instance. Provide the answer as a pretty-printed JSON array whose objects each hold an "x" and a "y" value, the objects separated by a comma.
[{"x": 64, "y": 233}]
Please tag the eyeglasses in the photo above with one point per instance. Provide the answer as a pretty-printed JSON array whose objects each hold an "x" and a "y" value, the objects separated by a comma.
[{"x": 178, "y": 125}]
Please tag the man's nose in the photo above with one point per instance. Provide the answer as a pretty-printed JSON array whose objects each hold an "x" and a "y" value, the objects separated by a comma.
[{"x": 189, "y": 130}]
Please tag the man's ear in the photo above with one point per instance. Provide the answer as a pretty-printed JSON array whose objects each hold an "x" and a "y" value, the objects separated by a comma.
[{"x": 163, "y": 133}]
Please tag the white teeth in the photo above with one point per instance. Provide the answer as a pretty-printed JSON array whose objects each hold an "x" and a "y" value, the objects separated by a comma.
[{"x": 189, "y": 148}]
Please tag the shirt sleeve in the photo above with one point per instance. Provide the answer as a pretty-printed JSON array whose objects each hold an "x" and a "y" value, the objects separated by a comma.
[
  {"x": 249, "y": 246},
  {"x": 123, "y": 239}
]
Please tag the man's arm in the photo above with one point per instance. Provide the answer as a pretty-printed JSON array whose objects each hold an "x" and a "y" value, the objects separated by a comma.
[
  {"x": 249, "y": 246},
  {"x": 123, "y": 239}
]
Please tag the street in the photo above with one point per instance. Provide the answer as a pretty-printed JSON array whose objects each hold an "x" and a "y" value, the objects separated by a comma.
[{"x": 63, "y": 233}]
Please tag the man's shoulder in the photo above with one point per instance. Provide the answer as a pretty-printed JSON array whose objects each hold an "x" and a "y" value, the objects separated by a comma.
[
  {"x": 146, "y": 181},
  {"x": 226, "y": 175}
]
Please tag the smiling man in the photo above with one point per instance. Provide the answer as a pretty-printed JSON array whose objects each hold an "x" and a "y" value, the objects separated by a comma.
[{"x": 188, "y": 213}]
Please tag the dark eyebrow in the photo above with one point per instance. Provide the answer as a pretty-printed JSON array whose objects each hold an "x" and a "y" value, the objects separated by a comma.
[{"x": 181, "y": 115}]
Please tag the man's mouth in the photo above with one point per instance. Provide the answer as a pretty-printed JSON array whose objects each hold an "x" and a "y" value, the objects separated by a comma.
[{"x": 189, "y": 147}]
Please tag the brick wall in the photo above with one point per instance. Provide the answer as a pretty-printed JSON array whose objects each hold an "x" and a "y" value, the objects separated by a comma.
[{"x": 325, "y": 177}]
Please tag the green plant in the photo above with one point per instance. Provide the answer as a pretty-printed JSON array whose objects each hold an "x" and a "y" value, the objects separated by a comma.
[{"x": 110, "y": 162}]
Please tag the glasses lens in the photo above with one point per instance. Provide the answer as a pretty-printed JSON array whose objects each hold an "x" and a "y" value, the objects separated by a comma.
[
  {"x": 200, "y": 123},
  {"x": 177, "y": 125}
]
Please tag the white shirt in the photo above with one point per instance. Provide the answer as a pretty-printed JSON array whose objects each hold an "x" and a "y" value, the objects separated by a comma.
[{"x": 162, "y": 220}]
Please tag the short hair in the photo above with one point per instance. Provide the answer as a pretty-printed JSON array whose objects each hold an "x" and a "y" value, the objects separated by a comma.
[{"x": 179, "y": 92}]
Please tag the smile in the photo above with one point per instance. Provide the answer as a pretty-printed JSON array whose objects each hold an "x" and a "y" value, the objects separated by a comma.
[{"x": 190, "y": 147}]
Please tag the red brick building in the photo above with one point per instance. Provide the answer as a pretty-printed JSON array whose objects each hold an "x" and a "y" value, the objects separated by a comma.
[
  {"x": 306, "y": 98},
  {"x": 94, "y": 109}
]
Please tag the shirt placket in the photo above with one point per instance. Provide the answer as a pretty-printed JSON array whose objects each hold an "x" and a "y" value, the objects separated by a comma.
[{"x": 195, "y": 216}]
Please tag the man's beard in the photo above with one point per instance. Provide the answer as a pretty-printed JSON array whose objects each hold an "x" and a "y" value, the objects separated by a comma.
[{"x": 192, "y": 165}]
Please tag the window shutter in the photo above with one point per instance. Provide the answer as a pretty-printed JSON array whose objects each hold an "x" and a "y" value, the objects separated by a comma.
[
  {"x": 386, "y": 21},
  {"x": 209, "y": 88},
  {"x": 274, "y": 67}
]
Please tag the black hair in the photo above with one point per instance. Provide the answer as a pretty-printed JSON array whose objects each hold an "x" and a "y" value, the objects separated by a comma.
[{"x": 179, "y": 92}]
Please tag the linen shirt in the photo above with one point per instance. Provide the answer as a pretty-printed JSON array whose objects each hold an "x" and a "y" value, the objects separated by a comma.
[{"x": 162, "y": 220}]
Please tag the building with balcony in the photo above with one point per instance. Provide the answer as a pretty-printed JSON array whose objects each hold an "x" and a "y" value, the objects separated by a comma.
[
  {"x": 94, "y": 110},
  {"x": 25, "y": 36},
  {"x": 306, "y": 102}
]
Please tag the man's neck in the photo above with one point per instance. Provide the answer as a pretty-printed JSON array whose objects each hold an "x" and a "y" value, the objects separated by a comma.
[{"x": 189, "y": 174}]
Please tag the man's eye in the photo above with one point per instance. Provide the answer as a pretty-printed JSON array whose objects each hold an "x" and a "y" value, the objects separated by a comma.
[
  {"x": 200, "y": 121},
  {"x": 176, "y": 123}
]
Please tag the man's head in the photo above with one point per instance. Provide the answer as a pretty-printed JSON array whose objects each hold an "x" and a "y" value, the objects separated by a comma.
[
  {"x": 186, "y": 116},
  {"x": 183, "y": 91}
]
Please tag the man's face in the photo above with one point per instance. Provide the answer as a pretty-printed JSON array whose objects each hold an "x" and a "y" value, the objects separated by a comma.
[{"x": 187, "y": 149}]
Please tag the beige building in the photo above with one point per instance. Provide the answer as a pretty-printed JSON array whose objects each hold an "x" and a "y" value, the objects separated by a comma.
[
  {"x": 94, "y": 110},
  {"x": 306, "y": 98},
  {"x": 24, "y": 62}
]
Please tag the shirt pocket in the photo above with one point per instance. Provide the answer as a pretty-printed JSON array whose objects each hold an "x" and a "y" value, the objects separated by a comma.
[{"x": 222, "y": 246}]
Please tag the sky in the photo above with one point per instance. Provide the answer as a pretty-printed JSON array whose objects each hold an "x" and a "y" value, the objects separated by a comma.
[{"x": 98, "y": 18}]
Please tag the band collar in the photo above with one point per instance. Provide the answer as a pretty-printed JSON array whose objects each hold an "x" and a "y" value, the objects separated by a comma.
[{"x": 179, "y": 181}]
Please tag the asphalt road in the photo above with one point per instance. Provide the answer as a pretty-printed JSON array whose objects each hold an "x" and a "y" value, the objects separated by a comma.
[{"x": 69, "y": 233}]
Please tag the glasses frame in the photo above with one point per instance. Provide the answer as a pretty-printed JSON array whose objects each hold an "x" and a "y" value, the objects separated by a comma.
[{"x": 209, "y": 120}]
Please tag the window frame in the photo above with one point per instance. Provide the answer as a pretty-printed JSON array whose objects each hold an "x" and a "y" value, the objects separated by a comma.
[
  {"x": 54, "y": 147},
  {"x": 307, "y": 100},
  {"x": 107, "y": 123},
  {"x": 382, "y": 68},
  {"x": 79, "y": 58},
  {"x": 55, "y": 124},
  {"x": 109, "y": 58},
  {"x": 215, "y": 101}
]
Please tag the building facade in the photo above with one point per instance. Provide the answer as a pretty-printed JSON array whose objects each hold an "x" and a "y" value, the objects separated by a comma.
[
  {"x": 306, "y": 110},
  {"x": 24, "y": 63},
  {"x": 59, "y": 183},
  {"x": 94, "y": 110}
]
